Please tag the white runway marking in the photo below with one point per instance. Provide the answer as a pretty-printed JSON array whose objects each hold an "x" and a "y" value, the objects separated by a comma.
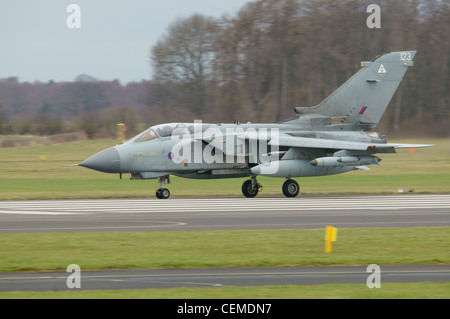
[
  {"x": 232, "y": 205},
  {"x": 24, "y": 212}
]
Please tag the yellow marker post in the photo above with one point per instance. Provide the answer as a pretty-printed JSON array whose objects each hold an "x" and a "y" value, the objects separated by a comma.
[
  {"x": 121, "y": 128},
  {"x": 330, "y": 237}
]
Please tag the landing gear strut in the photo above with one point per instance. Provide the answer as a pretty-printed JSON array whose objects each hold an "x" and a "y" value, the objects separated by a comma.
[
  {"x": 162, "y": 192},
  {"x": 251, "y": 187},
  {"x": 290, "y": 188}
]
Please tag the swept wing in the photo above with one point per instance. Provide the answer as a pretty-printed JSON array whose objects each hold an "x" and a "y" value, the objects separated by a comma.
[{"x": 306, "y": 142}]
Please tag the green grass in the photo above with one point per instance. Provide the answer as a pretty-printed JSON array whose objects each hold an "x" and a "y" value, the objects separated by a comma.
[
  {"x": 44, "y": 172},
  {"x": 236, "y": 248},
  {"x": 424, "y": 290}
]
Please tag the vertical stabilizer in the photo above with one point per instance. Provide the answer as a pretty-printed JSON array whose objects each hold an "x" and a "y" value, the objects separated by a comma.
[{"x": 363, "y": 99}]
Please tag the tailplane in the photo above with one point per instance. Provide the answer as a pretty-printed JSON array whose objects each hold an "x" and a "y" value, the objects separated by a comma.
[{"x": 361, "y": 101}]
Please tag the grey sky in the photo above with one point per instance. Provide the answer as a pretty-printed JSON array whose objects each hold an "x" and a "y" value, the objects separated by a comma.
[{"x": 113, "y": 43}]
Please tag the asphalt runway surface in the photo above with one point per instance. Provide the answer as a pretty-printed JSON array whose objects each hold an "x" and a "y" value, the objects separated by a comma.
[
  {"x": 220, "y": 277},
  {"x": 178, "y": 214}
]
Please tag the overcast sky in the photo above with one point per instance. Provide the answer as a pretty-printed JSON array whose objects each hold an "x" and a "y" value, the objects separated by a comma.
[{"x": 114, "y": 40}]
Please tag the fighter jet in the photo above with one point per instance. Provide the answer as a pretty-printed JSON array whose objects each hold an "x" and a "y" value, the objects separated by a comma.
[{"x": 330, "y": 138}]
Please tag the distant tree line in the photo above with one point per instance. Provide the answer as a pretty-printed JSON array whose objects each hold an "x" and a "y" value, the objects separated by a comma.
[
  {"x": 272, "y": 56},
  {"x": 275, "y": 55},
  {"x": 84, "y": 104}
]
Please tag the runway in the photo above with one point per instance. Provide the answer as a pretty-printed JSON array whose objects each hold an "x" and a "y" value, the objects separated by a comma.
[
  {"x": 221, "y": 277},
  {"x": 180, "y": 214},
  {"x": 177, "y": 214}
]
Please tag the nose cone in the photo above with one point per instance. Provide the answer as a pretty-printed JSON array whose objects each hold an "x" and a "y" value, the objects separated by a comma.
[{"x": 107, "y": 161}]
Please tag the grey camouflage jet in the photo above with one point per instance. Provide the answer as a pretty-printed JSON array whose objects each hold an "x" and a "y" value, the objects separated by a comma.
[{"x": 331, "y": 138}]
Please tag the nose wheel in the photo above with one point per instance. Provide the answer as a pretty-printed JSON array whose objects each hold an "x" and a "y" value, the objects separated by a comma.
[
  {"x": 162, "y": 192},
  {"x": 251, "y": 187}
]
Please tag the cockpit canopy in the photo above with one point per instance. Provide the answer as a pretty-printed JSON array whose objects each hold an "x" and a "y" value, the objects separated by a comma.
[
  {"x": 146, "y": 136},
  {"x": 170, "y": 129}
]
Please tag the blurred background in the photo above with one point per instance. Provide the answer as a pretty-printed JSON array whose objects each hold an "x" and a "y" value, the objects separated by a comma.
[{"x": 147, "y": 62}]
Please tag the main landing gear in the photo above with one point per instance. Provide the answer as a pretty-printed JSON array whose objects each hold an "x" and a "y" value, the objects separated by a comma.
[
  {"x": 290, "y": 188},
  {"x": 251, "y": 187},
  {"x": 162, "y": 192}
]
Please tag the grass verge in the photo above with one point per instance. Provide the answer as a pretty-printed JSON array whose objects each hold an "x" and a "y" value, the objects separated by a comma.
[
  {"x": 424, "y": 290},
  {"x": 235, "y": 248}
]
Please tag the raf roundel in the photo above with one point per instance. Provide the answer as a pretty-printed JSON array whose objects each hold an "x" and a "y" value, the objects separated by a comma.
[{"x": 170, "y": 155}]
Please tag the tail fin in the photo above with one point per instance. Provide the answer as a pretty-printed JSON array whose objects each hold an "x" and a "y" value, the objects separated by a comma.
[{"x": 362, "y": 100}]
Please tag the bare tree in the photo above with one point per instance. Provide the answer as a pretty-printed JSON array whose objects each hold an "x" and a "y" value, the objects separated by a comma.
[{"x": 184, "y": 57}]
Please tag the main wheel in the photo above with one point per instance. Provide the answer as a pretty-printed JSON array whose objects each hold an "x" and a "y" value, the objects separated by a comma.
[
  {"x": 291, "y": 188},
  {"x": 163, "y": 193},
  {"x": 248, "y": 190}
]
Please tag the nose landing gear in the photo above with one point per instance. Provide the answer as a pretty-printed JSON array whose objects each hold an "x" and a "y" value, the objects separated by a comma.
[
  {"x": 251, "y": 187},
  {"x": 162, "y": 192}
]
